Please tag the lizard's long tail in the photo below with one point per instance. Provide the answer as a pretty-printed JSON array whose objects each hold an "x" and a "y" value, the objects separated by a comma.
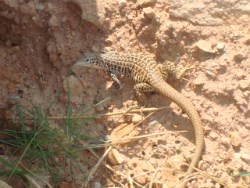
[{"x": 188, "y": 107}]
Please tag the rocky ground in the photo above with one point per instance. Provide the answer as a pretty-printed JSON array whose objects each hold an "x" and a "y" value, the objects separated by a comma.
[{"x": 40, "y": 40}]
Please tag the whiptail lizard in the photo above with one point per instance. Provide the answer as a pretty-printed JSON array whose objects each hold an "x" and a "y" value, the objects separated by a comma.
[{"x": 148, "y": 76}]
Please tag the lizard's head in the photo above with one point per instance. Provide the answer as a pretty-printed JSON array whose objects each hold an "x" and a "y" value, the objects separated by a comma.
[{"x": 88, "y": 60}]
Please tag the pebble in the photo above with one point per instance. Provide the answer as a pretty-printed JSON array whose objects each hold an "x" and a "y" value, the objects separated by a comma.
[
  {"x": 159, "y": 185},
  {"x": 235, "y": 139},
  {"x": 244, "y": 84},
  {"x": 149, "y": 13},
  {"x": 225, "y": 141},
  {"x": 141, "y": 179},
  {"x": 245, "y": 157},
  {"x": 145, "y": 3},
  {"x": 115, "y": 157},
  {"x": 217, "y": 185},
  {"x": 199, "y": 80},
  {"x": 220, "y": 47},
  {"x": 208, "y": 158},
  {"x": 97, "y": 184},
  {"x": 137, "y": 118},
  {"x": 239, "y": 97},
  {"x": 247, "y": 40},
  {"x": 28, "y": 8},
  {"x": 204, "y": 165},
  {"x": 194, "y": 184},
  {"x": 240, "y": 74},
  {"x": 73, "y": 85},
  {"x": 239, "y": 57},
  {"x": 90, "y": 14},
  {"x": 205, "y": 46},
  {"x": 122, "y": 3},
  {"x": 176, "y": 161},
  {"x": 53, "y": 21},
  {"x": 40, "y": 6},
  {"x": 4, "y": 185},
  {"x": 213, "y": 135},
  {"x": 99, "y": 108}
]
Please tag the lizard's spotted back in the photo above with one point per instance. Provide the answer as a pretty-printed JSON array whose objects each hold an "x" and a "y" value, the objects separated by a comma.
[{"x": 130, "y": 65}]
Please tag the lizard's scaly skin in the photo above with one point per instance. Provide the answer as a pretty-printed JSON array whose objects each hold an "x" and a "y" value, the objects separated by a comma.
[{"x": 148, "y": 76}]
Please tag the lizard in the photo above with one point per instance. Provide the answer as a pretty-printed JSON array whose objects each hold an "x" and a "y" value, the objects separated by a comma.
[{"x": 149, "y": 76}]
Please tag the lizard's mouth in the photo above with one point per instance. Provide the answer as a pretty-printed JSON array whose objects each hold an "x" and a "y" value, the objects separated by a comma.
[{"x": 83, "y": 63}]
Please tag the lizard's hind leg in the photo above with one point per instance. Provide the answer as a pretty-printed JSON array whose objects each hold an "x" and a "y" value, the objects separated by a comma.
[
  {"x": 140, "y": 89},
  {"x": 169, "y": 68}
]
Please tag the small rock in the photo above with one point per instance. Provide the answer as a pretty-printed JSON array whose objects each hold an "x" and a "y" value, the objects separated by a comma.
[
  {"x": 236, "y": 163},
  {"x": 157, "y": 184},
  {"x": 205, "y": 46},
  {"x": 149, "y": 13},
  {"x": 137, "y": 118},
  {"x": 194, "y": 184},
  {"x": 247, "y": 40},
  {"x": 240, "y": 74},
  {"x": 73, "y": 86},
  {"x": 217, "y": 185},
  {"x": 205, "y": 33},
  {"x": 141, "y": 179},
  {"x": 245, "y": 157},
  {"x": 243, "y": 132},
  {"x": 14, "y": 99},
  {"x": 4, "y": 185},
  {"x": 204, "y": 165},
  {"x": 239, "y": 57},
  {"x": 248, "y": 110},
  {"x": 53, "y": 54},
  {"x": 40, "y": 6},
  {"x": 145, "y": 3},
  {"x": 154, "y": 126},
  {"x": 97, "y": 184},
  {"x": 213, "y": 135},
  {"x": 162, "y": 42},
  {"x": 90, "y": 14},
  {"x": 28, "y": 8},
  {"x": 199, "y": 80},
  {"x": 244, "y": 84},
  {"x": 99, "y": 108},
  {"x": 208, "y": 158},
  {"x": 176, "y": 161},
  {"x": 115, "y": 157},
  {"x": 239, "y": 97},
  {"x": 235, "y": 139},
  {"x": 220, "y": 47},
  {"x": 225, "y": 141},
  {"x": 53, "y": 21},
  {"x": 122, "y": 3}
]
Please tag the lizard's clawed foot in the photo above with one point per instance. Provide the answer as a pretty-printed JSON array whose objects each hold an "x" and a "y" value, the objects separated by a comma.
[
  {"x": 182, "y": 69},
  {"x": 117, "y": 82},
  {"x": 169, "y": 68}
]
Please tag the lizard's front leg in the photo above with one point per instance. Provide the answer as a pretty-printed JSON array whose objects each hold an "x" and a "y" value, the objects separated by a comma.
[{"x": 117, "y": 82}]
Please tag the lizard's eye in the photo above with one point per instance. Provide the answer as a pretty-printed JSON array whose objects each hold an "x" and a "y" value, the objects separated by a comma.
[{"x": 87, "y": 60}]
